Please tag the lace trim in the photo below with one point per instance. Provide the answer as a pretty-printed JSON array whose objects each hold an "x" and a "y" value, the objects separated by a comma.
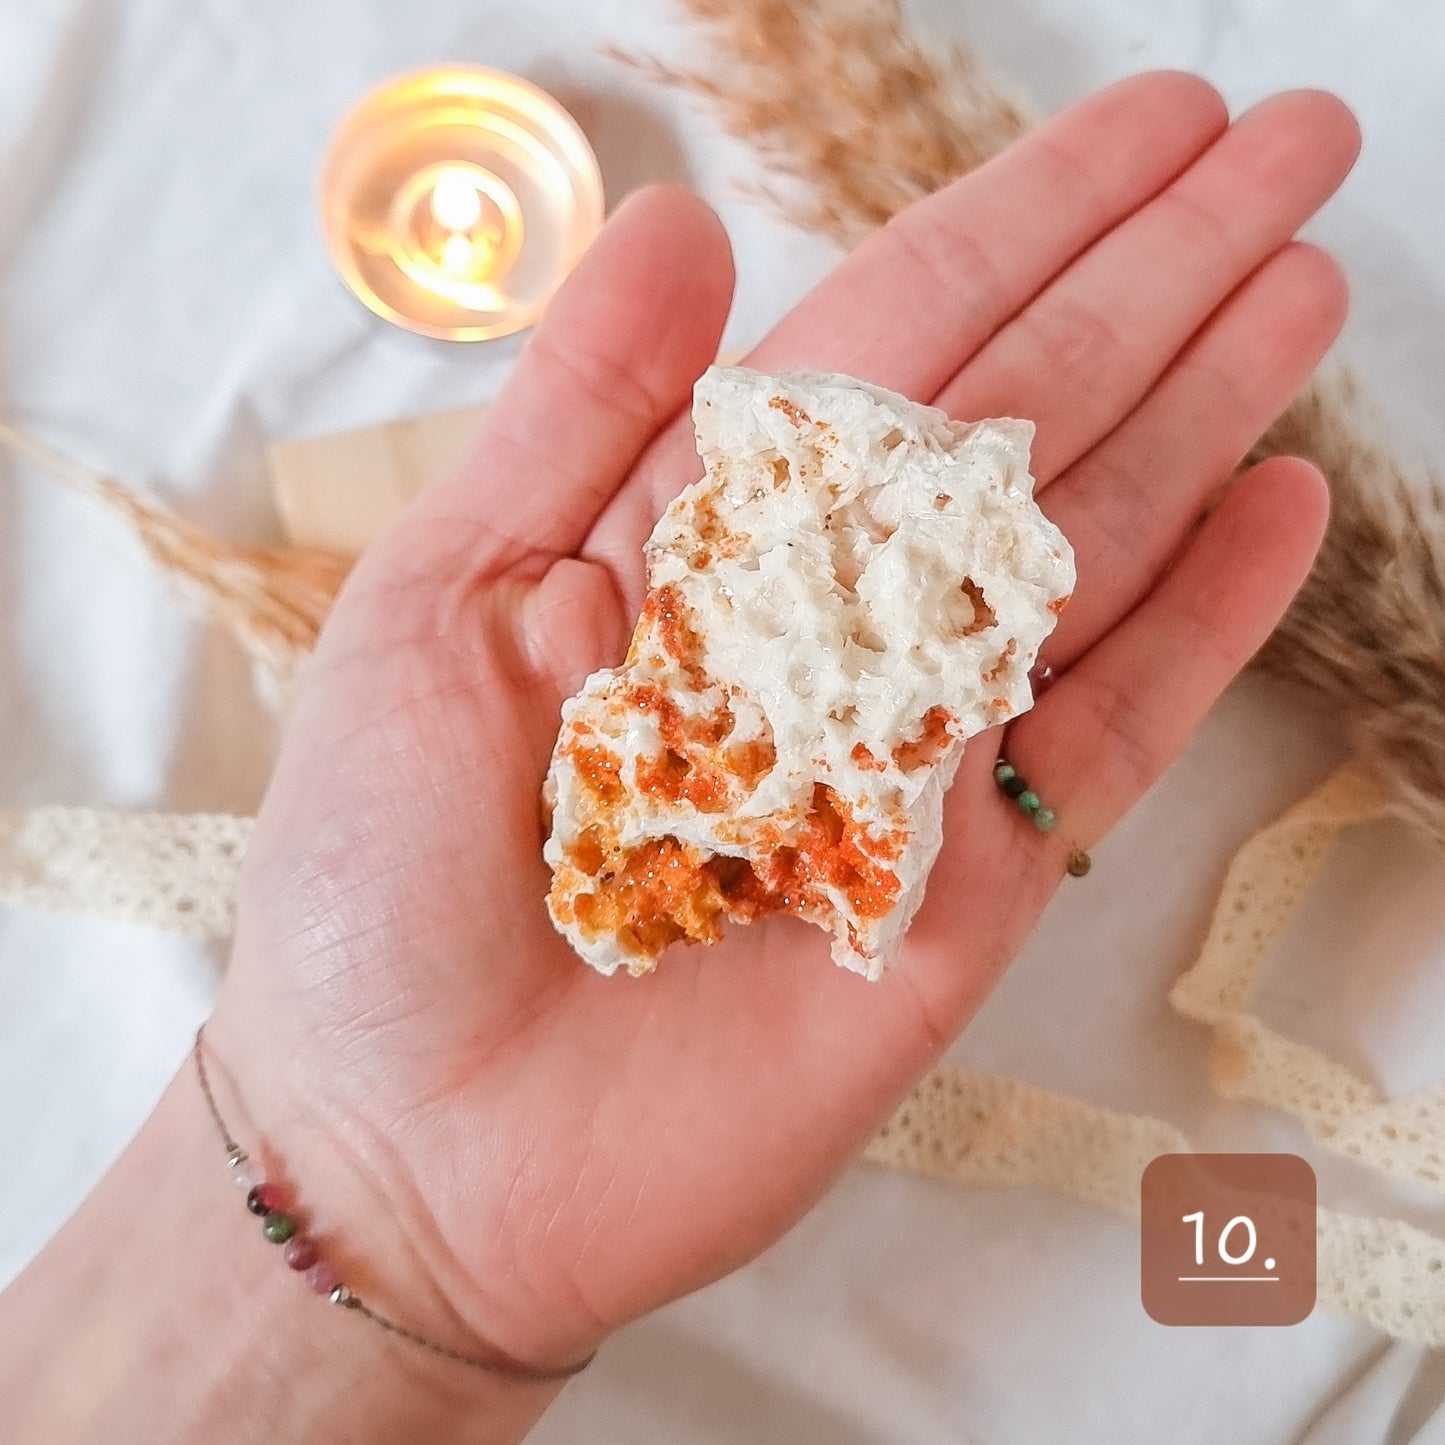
[{"x": 167, "y": 870}]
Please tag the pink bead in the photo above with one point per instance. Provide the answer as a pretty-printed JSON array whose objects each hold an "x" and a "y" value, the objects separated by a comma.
[
  {"x": 300, "y": 1253},
  {"x": 322, "y": 1278},
  {"x": 269, "y": 1197}
]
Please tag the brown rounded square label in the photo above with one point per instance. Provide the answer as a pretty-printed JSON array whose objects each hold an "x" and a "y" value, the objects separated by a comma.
[{"x": 1227, "y": 1239}]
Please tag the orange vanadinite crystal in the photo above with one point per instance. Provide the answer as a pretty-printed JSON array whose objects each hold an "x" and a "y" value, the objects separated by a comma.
[
  {"x": 928, "y": 746},
  {"x": 665, "y": 890},
  {"x": 599, "y": 769}
]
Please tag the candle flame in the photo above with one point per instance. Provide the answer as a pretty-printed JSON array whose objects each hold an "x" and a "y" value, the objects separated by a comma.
[{"x": 456, "y": 203}]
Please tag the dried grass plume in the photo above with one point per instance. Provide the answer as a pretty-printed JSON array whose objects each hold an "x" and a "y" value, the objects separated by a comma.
[
  {"x": 273, "y": 600},
  {"x": 1366, "y": 635},
  {"x": 855, "y": 117}
]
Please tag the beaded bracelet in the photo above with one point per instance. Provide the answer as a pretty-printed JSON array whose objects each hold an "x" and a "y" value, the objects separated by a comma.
[
  {"x": 1012, "y": 785},
  {"x": 1028, "y": 802},
  {"x": 303, "y": 1254}
]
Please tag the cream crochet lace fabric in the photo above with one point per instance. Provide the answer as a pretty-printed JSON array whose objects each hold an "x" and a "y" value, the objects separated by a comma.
[
  {"x": 168, "y": 870},
  {"x": 179, "y": 872}
]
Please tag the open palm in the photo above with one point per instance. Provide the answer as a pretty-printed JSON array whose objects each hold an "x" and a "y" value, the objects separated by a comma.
[{"x": 531, "y": 1153}]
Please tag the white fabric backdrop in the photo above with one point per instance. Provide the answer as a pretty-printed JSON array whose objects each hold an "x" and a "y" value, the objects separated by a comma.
[{"x": 166, "y": 309}]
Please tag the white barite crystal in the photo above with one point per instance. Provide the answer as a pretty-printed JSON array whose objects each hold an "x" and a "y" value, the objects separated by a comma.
[{"x": 857, "y": 585}]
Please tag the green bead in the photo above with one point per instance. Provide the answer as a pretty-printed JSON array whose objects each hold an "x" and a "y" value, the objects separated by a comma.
[
  {"x": 1029, "y": 802},
  {"x": 1002, "y": 772},
  {"x": 1045, "y": 819},
  {"x": 1012, "y": 787},
  {"x": 278, "y": 1227}
]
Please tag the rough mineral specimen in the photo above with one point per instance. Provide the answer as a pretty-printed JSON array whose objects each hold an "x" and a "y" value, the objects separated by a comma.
[{"x": 858, "y": 585}]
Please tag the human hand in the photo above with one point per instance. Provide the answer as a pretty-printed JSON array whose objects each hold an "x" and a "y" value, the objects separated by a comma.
[{"x": 513, "y": 1148}]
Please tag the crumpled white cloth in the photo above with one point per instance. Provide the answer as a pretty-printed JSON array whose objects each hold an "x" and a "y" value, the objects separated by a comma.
[{"x": 167, "y": 310}]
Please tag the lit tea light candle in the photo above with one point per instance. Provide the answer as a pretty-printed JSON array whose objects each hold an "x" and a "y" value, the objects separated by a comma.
[{"x": 455, "y": 201}]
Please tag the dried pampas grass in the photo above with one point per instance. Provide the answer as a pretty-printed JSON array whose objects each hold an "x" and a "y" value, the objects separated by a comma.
[
  {"x": 1366, "y": 635},
  {"x": 273, "y": 600},
  {"x": 858, "y": 119}
]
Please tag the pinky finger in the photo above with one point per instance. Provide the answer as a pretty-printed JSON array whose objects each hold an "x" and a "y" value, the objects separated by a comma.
[{"x": 1121, "y": 714}]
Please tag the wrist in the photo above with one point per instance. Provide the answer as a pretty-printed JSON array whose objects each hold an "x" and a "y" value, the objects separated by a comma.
[
  {"x": 160, "y": 1311},
  {"x": 381, "y": 1191}
]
